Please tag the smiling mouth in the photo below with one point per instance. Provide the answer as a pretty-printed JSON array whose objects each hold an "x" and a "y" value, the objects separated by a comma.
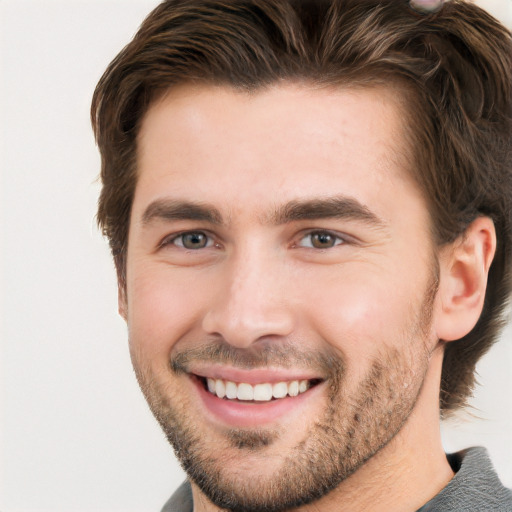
[{"x": 263, "y": 392}]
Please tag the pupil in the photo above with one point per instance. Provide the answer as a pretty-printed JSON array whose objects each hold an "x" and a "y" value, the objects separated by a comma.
[
  {"x": 322, "y": 240},
  {"x": 194, "y": 240}
]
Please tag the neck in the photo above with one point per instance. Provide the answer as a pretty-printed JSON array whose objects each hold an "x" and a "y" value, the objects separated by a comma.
[{"x": 402, "y": 476}]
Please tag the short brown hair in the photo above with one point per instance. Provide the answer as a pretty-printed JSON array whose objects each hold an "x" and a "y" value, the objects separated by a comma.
[{"x": 453, "y": 68}]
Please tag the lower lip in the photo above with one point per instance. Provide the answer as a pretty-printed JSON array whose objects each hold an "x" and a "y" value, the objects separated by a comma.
[{"x": 244, "y": 414}]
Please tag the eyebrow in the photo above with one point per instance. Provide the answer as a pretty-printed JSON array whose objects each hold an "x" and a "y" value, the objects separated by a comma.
[
  {"x": 170, "y": 209},
  {"x": 339, "y": 207}
]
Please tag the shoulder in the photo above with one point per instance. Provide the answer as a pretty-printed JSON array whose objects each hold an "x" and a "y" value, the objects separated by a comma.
[
  {"x": 181, "y": 500},
  {"x": 475, "y": 487}
]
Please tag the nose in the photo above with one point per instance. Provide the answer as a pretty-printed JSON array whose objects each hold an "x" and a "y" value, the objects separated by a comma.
[{"x": 252, "y": 303}]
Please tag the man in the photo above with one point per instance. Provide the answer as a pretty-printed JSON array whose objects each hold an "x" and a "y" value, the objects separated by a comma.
[{"x": 309, "y": 208}]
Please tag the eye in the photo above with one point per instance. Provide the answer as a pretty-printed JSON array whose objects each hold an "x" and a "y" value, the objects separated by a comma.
[
  {"x": 320, "y": 240},
  {"x": 191, "y": 240}
]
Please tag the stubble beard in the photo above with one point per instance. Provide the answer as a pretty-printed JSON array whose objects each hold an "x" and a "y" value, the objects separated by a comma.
[{"x": 351, "y": 431}]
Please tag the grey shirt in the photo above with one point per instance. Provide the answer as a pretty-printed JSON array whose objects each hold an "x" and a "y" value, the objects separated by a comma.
[{"x": 474, "y": 488}]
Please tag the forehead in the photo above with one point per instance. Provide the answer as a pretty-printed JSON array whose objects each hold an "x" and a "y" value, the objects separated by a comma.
[{"x": 282, "y": 143}]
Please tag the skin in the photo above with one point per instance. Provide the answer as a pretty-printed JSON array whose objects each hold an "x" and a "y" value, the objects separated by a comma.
[
  {"x": 363, "y": 314},
  {"x": 426, "y": 6}
]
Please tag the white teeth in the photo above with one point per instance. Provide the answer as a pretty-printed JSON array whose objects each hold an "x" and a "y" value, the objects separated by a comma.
[
  {"x": 259, "y": 392},
  {"x": 231, "y": 390},
  {"x": 245, "y": 392},
  {"x": 263, "y": 392},
  {"x": 280, "y": 390},
  {"x": 293, "y": 388},
  {"x": 220, "y": 388}
]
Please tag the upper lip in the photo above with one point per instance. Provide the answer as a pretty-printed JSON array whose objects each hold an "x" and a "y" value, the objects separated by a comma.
[{"x": 253, "y": 376}]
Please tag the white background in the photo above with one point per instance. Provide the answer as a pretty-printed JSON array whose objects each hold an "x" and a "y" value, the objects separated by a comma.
[{"x": 76, "y": 434}]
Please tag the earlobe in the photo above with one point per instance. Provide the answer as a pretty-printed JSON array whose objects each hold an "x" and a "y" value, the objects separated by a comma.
[{"x": 464, "y": 268}]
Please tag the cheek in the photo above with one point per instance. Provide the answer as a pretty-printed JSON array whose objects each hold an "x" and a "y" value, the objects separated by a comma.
[
  {"x": 359, "y": 314},
  {"x": 162, "y": 307}
]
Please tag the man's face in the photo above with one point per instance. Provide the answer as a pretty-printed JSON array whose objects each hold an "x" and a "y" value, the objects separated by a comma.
[{"x": 280, "y": 255}]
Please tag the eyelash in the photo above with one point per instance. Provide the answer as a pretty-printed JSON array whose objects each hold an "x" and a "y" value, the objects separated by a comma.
[
  {"x": 338, "y": 239},
  {"x": 172, "y": 240}
]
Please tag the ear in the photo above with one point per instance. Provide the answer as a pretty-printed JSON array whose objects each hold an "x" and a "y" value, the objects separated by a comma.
[
  {"x": 122, "y": 305},
  {"x": 464, "y": 267}
]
